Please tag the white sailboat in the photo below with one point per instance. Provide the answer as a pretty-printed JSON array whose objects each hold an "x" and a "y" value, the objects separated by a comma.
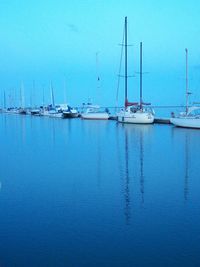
[
  {"x": 34, "y": 109},
  {"x": 22, "y": 109},
  {"x": 54, "y": 111},
  {"x": 191, "y": 117},
  {"x": 139, "y": 113},
  {"x": 68, "y": 111},
  {"x": 93, "y": 111}
]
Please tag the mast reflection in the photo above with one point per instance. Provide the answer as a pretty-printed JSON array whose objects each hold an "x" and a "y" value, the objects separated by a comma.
[
  {"x": 127, "y": 209},
  {"x": 141, "y": 166},
  {"x": 133, "y": 163},
  {"x": 184, "y": 135},
  {"x": 186, "y": 186}
]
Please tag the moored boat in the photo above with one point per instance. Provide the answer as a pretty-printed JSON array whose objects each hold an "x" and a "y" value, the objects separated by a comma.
[
  {"x": 35, "y": 111},
  {"x": 54, "y": 113},
  {"x": 22, "y": 111},
  {"x": 94, "y": 112},
  {"x": 190, "y": 118},
  {"x": 139, "y": 113},
  {"x": 70, "y": 113},
  {"x": 136, "y": 114}
]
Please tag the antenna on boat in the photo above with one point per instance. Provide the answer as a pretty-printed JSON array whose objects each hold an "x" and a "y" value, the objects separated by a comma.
[
  {"x": 125, "y": 44},
  {"x": 120, "y": 65},
  {"x": 186, "y": 79},
  {"x": 32, "y": 95},
  {"x": 97, "y": 75},
  {"x": 22, "y": 95},
  {"x": 140, "y": 75},
  {"x": 52, "y": 94},
  {"x": 126, "y": 63},
  {"x": 65, "y": 91},
  {"x": 43, "y": 97},
  {"x": 4, "y": 96}
]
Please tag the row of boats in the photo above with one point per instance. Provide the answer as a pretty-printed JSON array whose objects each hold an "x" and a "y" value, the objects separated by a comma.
[
  {"x": 133, "y": 112},
  {"x": 89, "y": 111},
  {"x": 141, "y": 113}
]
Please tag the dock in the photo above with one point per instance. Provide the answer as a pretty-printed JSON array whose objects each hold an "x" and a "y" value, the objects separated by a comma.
[
  {"x": 162, "y": 120},
  {"x": 113, "y": 118}
]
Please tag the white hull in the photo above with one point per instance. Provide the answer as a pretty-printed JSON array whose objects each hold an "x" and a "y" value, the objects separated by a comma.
[
  {"x": 95, "y": 116},
  {"x": 55, "y": 115},
  {"x": 137, "y": 118},
  {"x": 186, "y": 122},
  {"x": 44, "y": 113}
]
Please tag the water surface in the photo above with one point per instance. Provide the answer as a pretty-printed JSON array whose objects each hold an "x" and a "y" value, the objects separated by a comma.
[{"x": 80, "y": 193}]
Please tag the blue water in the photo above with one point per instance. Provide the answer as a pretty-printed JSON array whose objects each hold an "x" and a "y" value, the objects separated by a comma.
[{"x": 79, "y": 193}]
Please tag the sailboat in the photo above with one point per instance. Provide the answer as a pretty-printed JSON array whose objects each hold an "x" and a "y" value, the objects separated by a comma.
[
  {"x": 55, "y": 111},
  {"x": 93, "y": 111},
  {"x": 68, "y": 111},
  {"x": 191, "y": 117},
  {"x": 34, "y": 110},
  {"x": 134, "y": 112},
  {"x": 22, "y": 109}
]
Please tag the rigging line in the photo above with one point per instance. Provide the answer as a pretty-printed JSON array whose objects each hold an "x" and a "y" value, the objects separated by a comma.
[
  {"x": 98, "y": 85},
  {"x": 120, "y": 66}
]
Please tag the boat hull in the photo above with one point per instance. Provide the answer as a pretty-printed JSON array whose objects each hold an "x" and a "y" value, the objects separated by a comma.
[
  {"x": 186, "y": 122},
  {"x": 95, "y": 116},
  {"x": 135, "y": 118},
  {"x": 35, "y": 112},
  {"x": 55, "y": 115},
  {"x": 22, "y": 112},
  {"x": 69, "y": 115}
]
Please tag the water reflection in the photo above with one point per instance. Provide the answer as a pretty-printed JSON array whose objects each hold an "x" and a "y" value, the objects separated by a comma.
[
  {"x": 185, "y": 136},
  {"x": 127, "y": 210},
  {"x": 186, "y": 186},
  {"x": 133, "y": 162},
  {"x": 141, "y": 166},
  {"x": 23, "y": 129},
  {"x": 188, "y": 154},
  {"x": 124, "y": 171},
  {"x": 17, "y": 122}
]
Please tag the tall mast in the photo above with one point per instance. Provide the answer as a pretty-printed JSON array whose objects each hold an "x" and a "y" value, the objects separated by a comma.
[
  {"x": 186, "y": 79},
  {"x": 140, "y": 75},
  {"x": 98, "y": 78},
  {"x": 43, "y": 97},
  {"x": 65, "y": 94},
  {"x": 4, "y": 95},
  {"x": 22, "y": 95},
  {"x": 52, "y": 95},
  {"x": 126, "y": 80},
  {"x": 33, "y": 95}
]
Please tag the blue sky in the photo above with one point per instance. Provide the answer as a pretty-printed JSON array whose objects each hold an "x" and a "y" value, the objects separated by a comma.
[{"x": 57, "y": 41}]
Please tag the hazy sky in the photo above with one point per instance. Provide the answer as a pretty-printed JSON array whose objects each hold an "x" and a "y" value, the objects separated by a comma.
[{"x": 57, "y": 41}]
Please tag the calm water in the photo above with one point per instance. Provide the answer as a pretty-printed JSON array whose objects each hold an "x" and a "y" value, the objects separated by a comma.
[{"x": 79, "y": 193}]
